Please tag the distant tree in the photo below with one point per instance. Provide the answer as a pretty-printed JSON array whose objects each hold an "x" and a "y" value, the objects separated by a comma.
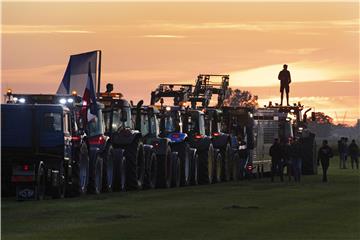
[
  {"x": 322, "y": 118},
  {"x": 238, "y": 98}
]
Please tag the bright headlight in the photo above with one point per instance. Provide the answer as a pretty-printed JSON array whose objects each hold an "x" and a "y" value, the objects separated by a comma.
[
  {"x": 70, "y": 100},
  {"x": 22, "y": 100},
  {"x": 168, "y": 108},
  {"x": 62, "y": 100}
]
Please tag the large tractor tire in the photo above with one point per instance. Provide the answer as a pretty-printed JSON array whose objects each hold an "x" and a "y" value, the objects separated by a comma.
[
  {"x": 226, "y": 154},
  {"x": 194, "y": 168},
  {"x": 80, "y": 172},
  {"x": 151, "y": 171},
  {"x": 206, "y": 165},
  {"x": 165, "y": 169},
  {"x": 59, "y": 190},
  {"x": 96, "y": 171},
  {"x": 119, "y": 170},
  {"x": 176, "y": 167},
  {"x": 108, "y": 169},
  {"x": 183, "y": 150},
  {"x": 135, "y": 165},
  {"x": 40, "y": 182},
  {"x": 218, "y": 167}
]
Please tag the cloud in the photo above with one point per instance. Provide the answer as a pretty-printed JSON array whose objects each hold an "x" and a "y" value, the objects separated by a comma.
[
  {"x": 44, "y": 29},
  {"x": 300, "y": 71},
  {"x": 299, "y": 51},
  {"x": 163, "y": 36},
  {"x": 261, "y": 26}
]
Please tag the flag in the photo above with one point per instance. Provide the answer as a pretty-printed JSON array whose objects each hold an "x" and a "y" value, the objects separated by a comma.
[
  {"x": 89, "y": 97},
  {"x": 76, "y": 73}
]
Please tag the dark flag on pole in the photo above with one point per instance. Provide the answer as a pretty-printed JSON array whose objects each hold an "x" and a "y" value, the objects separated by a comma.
[
  {"x": 77, "y": 72},
  {"x": 89, "y": 97}
]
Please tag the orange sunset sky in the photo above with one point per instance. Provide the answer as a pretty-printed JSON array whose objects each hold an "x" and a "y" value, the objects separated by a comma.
[{"x": 144, "y": 44}]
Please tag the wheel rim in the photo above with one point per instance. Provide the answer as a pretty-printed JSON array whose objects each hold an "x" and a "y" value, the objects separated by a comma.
[
  {"x": 218, "y": 168},
  {"x": 168, "y": 172},
  {"x": 227, "y": 162},
  {"x": 140, "y": 166},
  {"x": 210, "y": 164},
  {"x": 110, "y": 169},
  {"x": 123, "y": 174},
  {"x": 187, "y": 166},
  {"x": 41, "y": 184},
  {"x": 98, "y": 175},
  {"x": 153, "y": 172},
  {"x": 196, "y": 161},
  {"x": 83, "y": 168}
]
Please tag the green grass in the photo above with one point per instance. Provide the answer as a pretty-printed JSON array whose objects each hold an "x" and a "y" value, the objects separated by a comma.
[{"x": 254, "y": 209}]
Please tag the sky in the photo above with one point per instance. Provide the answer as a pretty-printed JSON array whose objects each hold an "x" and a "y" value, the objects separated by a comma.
[{"x": 145, "y": 44}]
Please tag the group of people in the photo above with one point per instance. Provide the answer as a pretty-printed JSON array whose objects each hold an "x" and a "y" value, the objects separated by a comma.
[
  {"x": 289, "y": 154},
  {"x": 346, "y": 150}
]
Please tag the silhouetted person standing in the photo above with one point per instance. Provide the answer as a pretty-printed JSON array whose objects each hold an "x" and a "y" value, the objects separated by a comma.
[
  {"x": 285, "y": 80},
  {"x": 276, "y": 156},
  {"x": 354, "y": 154},
  {"x": 324, "y": 155},
  {"x": 296, "y": 159}
]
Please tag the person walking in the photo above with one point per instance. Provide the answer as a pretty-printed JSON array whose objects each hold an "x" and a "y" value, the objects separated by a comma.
[
  {"x": 324, "y": 155},
  {"x": 285, "y": 80},
  {"x": 345, "y": 151},
  {"x": 296, "y": 159},
  {"x": 276, "y": 164},
  {"x": 286, "y": 156},
  {"x": 354, "y": 154},
  {"x": 340, "y": 150}
]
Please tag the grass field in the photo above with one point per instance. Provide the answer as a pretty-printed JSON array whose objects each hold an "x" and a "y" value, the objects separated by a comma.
[{"x": 255, "y": 209}]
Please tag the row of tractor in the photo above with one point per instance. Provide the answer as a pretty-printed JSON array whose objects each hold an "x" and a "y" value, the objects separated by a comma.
[{"x": 68, "y": 145}]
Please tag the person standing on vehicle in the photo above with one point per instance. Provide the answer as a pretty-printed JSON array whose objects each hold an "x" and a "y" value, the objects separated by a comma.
[
  {"x": 285, "y": 80},
  {"x": 354, "y": 154},
  {"x": 324, "y": 155},
  {"x": 276, "y": 164}
]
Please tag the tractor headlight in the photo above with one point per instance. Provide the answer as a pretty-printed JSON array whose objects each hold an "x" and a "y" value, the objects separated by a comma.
[
  {"x": 70, "y": 100},
  {"x": 62, "y": 101},
  {"x": 22, "y": 100}
]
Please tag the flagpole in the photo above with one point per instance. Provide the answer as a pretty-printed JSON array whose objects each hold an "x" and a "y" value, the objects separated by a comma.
[{"x": 99, "y": 75}]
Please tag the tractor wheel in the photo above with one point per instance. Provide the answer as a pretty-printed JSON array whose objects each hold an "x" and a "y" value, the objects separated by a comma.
[
  {"x": 194, "y": 169},
  {"x": 108, "y": 169},
  {"x": 40, "y": 183},
  {"x": 80, "y": 172},
  {"x": 236, "y": 167},
  {"x": 165, "y": 169},
  {"x": 176, "y": 167},
  {"x": 119, "y": 170},
  {"x": 135, "y": 165},
  {"x": 96, "y": 170},
  {"x": 59, "y": 191},
  {"x": 183, "y": 150},
  {"x": 206, "y": 165},
  {"x": 226, "y": 154},
  {"x": 218, "y": 167},
  {"x": 151, "y": 171}
]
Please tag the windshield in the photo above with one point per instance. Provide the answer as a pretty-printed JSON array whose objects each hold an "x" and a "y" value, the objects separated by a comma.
[
  {"x": 96, "y": 125},
  {"x": 169, "y": 124},
  {"x": 154, "y": 126}
]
